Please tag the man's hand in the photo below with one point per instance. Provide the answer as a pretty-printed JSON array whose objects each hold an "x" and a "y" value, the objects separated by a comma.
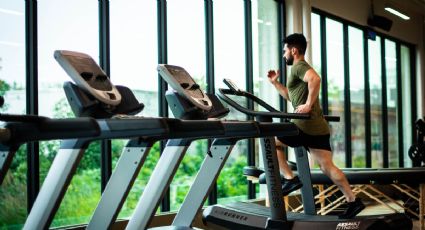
[
  {"x": 273, "y": 76},
  {"x": 304, "y": 108}
]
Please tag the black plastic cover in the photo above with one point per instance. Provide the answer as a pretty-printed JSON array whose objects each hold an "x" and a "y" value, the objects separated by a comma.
[{"x": 85, "y": 105}]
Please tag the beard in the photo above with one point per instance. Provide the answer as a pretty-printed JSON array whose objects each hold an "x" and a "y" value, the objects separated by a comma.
[{"x": 290, "y": 60}]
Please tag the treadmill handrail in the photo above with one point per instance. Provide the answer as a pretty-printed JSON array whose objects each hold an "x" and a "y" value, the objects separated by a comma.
[
  {"x": 22, "y": 118},
  {"x": 38, "y": 128},
  {"x": 272, "y": 111}
]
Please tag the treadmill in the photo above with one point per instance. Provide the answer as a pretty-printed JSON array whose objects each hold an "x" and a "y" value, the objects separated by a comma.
[
  {"x": 95, "y": 96},
  {"x": 92, "y": 94},
  {"x": 90, "y": 83},
  {"x": 184, "y": 94},
  {"x": 188, "y": 101},
  {"x": 252, "y": 216}
]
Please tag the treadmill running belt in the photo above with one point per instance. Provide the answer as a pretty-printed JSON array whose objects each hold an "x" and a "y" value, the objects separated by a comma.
[{"x": 264, "y": 211}]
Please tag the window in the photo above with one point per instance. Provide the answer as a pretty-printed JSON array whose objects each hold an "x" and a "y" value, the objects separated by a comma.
[
  {"x": 13, "y": 193},
  {"x": 356, "y": 66},
  {"x": 375, "y": 82},
  {"x": 315, "y": 44},
  {"x": 266, "y": 47},
  {"x": 391, "y": 73},
  {"x": 229, "y": 62},
  {"x": 134, "y": 57},
  {"x": 316, "y": 60},
  {"x": 335, "y": 68},
  {"x": 134, "y": 51},
  {"x": 406, "y": 102},
  {"x": 186, "y": 48},
  {"x": 390, "y": 90},
  {"x": 72, "y": 25}
]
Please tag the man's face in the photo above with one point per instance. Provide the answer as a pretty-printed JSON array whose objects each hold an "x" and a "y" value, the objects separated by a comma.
[{"x": 287, "y": 55}]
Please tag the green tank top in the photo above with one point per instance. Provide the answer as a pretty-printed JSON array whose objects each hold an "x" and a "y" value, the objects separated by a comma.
[{"x": 298, "y": 93}]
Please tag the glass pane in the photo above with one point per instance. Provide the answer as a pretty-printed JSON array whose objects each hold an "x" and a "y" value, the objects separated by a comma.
[
  {"x": 134, "y": 52},
  {"x": 266, "y": 57},
  {"x": 13, "y": 190},
  {"x": 407, "y": 102},
  {"x": 186, "y": 48},
  {"x": 335, "y": 67},
  {"x": 316, "y": 49},
  {"x": 356, "y": 53},
  {"x": 391, "y": 71},
  {"x": 375, "y": 82},
  {"x": 265, "y": 49},
  {"x": 315, "y": 45},
  {"x": 134, "y": 56},
  {"x": 229, "y": 61},
  {"x": 229, "y": 43},
  {"x": 72, "y": 25}
]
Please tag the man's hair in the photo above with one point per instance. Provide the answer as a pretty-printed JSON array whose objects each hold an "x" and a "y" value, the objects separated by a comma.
[{"x": 296, "y": 40}]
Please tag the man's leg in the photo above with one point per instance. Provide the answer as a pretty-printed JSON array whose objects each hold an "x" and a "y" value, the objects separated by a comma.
[
  {"x": 324, "y": 158},
  {"x": 290, "y": 183},
  {"x": 283, "y": 164}
]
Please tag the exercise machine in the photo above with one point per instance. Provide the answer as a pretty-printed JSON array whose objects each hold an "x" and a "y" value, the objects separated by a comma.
[
  {"x": 188, "y": 101},
  {"x": 90, "y": 96},
  {"x": 115, "y": 122},
  {"x": 252, "y": 216},
  {"x": 417, "y": 150},
  {"x": 90, "y": 83},
  {"x": 183, "y": 85}
]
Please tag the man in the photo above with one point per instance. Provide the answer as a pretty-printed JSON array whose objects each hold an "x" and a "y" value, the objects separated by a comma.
[{"x": 303, "y": 86}]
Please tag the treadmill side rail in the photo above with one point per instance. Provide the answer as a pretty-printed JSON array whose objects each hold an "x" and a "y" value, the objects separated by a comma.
[
  {"x": 128, "y": 167},
  {"x": 207, "y": 175},
  {"x": 55, "y": 185},
  {"x": 6, "y": 156},
  {"x": 159, "y": 181}
]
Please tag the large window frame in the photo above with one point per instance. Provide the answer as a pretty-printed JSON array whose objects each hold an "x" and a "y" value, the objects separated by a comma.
[
  {"x": 32, "y": 104},
  {"x": 367, "y": 106}
]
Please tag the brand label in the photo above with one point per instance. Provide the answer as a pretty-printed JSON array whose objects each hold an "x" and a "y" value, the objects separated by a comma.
[{"x": 348, "y": 225}]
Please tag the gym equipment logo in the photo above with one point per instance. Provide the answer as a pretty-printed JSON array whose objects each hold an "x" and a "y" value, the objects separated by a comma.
[{"x": 348, "y": 225}]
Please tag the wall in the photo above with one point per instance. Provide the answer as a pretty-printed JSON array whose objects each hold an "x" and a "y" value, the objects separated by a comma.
[{"x": 411, "y": 31}]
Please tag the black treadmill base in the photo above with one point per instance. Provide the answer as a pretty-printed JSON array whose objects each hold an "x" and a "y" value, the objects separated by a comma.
[{"x": 256, "y": 217}]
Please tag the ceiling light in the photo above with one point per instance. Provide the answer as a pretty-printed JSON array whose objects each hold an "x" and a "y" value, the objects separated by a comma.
[
  {"x": 13, "y": 12},
  {"x": 396, "y": 12}
]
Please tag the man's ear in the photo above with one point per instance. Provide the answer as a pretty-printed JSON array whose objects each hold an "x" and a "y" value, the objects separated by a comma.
[{"x": 294, "y": 51}]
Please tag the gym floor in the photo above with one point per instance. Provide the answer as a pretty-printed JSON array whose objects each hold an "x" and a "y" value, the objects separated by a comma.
[{"x": 380, "y": 209}]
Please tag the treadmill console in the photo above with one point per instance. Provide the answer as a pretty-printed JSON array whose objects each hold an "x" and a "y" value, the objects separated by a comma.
[
  {"x": 181, "y": 81},
  {"x": 231, "y": 85},
  {"x": 88, "y": 76}
]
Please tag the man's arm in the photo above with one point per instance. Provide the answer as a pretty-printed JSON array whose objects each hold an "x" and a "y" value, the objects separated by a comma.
[
  {"x": 313, "y": 81},
  {"x": 283, "y": 91}
]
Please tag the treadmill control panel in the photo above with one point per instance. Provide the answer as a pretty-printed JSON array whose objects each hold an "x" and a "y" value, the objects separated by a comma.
[
  {"x": 87, "y": 74},
  {"x": 181, "y": 81},
  {"x": 231, "y": 85}
]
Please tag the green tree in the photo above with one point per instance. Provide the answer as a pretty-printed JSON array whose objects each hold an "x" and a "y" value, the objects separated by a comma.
[
  {"x": 4, "y": 87},
  {"x": 232, "y": 182}
]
